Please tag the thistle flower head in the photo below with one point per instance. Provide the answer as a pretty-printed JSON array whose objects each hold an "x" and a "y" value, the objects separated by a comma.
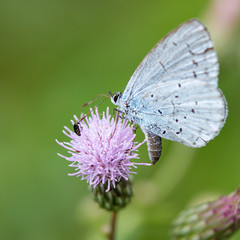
[
  {"x": 218, "y": 219},
  {"x": 102, "y": 150}
]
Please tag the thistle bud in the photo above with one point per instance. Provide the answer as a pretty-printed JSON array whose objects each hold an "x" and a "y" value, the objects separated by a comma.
[
  {"x": 218, "y": 219},
  {"x": 116, "y": 198}
]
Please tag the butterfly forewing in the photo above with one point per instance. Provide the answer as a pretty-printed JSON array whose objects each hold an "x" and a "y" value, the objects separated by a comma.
[{"x": 186, "y": 52}]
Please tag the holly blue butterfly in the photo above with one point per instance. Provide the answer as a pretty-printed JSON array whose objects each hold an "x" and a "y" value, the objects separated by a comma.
[{"x": 174, "y": 92}]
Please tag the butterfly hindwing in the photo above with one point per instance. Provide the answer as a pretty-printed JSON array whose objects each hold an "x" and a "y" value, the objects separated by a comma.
[{"x": 192, "y": 113}]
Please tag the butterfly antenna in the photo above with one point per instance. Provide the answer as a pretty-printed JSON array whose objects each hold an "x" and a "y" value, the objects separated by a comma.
[
  {"x": 106, "y": 97},
  {"x": 111, "y": 94},
  {"x": 86, "y": 104},
  {"x": 96, "y": 98}
]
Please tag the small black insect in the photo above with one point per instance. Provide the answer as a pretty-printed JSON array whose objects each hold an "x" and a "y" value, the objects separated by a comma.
[{"x": 77, "y": 128}]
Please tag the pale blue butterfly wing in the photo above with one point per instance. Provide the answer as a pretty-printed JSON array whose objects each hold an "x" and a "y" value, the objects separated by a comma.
[
  {"x": 184, "y": 53},
  {"x": 173, "y": 93},
  {"x": 191, "y": 113}
]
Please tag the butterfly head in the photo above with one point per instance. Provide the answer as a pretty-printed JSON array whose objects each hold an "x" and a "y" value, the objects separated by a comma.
[{"x": 115, "y": 98}]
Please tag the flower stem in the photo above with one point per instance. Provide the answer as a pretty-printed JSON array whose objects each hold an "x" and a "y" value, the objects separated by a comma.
[{"x": 113, "y": 224}]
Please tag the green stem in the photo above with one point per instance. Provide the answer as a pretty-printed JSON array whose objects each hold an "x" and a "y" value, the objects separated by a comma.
[{"x": 113, "y": 225}]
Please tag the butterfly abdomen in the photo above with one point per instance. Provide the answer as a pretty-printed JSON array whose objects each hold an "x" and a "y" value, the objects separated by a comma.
[{"x": 154, "y": 144}]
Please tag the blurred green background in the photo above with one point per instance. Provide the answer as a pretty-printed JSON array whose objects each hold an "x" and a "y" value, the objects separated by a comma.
[{"x": 57, "y": 55}]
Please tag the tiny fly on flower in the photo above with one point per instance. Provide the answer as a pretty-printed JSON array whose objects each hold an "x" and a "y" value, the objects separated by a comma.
[{"x": 77, "y": 128}]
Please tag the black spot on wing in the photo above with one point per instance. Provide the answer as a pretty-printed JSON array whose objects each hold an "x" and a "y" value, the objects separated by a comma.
[
  {"x": 194, "y": 74},
  {"x": 180, "y": 130},
  {"x": 206, "y": 71},
  {"x": 195, "y": 63}
]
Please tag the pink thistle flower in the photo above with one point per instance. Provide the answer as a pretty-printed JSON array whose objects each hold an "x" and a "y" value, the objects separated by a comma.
[{"x": 102, "y": 151}]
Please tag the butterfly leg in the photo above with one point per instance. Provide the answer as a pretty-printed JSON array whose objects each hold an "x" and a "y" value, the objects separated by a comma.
[
  {"x": 134, "y": 128},
  {"x": 118, "y": 111}
]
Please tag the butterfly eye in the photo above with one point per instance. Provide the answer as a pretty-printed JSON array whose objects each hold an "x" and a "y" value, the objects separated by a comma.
[{"x": 116, "y": 97}]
